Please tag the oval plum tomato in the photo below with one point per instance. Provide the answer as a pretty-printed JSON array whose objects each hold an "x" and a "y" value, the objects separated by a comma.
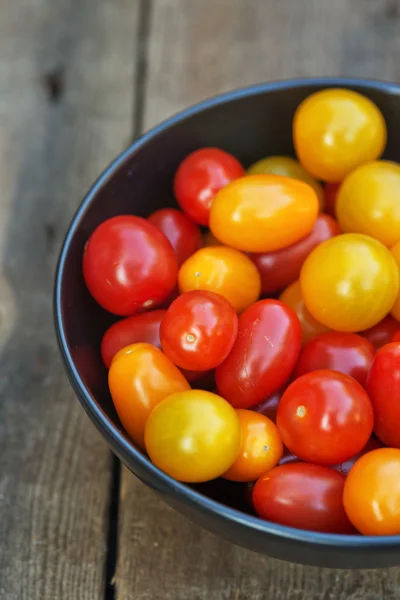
[
  {"x": 139, "y": 328},
  {"x": 395, "y": 250},
  {"x": 371, "y": 494},
  {"x": 368, "y": 202},
  {"x": 200, "y": 176},
  {"x": 330, "y": 197},
  {"x": 269, "y": 407},
  {"x": 302, "y": 496},
  {"x": 199, "y": 330},
  {"x": 383, "y": 387},
  {"x": 281, "y": 268},
  {"x": 350, "y": 282},
  {"x": 345, "y": 467},
  {"x": 129, "y": 265},
  {"x": 183, "y": 235},
  {"x": 140, "y": 376},
  {"x": 381, "y": 333},
  {"x": 325, "y": 417},
  {"x": 335, "y": 131},
  {"x": 309, "y": 326},
  {"x": 224, "y": 271},
  {"x": 347, "y": 353},
  {"x": 260, "y": 448},
  {"x": 263, "y": 356},
  {"x": 193, "y": 436},
  {"x": 396, "y": 337},
  {"x": 262, "y": 213}
]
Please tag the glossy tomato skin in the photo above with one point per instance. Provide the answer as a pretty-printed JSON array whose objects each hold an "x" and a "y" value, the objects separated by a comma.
[
  {"x": 372, "y": 444},
  {"x": 129, "y": 265},
  {"x": 262, "y": 213},
  {"x": 140, "y": 377},
  {"x": 330, "y": 197},
  {"x": 383, "y": 387},
  {"x": 325, "y": 417},
  {"x": 310, "y": 327},
  {"x": 199, "y": 330},
  {"x": 281, "y": 268},
  {"x": 269, "y": 406},
  {"x": 347, "y": 353},
  {"x": 183, "y": 235},
  {"x": 381, "y": 333},
  {"x": 303, "y": 496},
  {"x": 200, "y": 176},
  {"x": 263, "y": 356}
]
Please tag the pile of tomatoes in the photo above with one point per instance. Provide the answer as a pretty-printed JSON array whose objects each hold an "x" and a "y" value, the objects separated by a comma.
[{"x": 260, "y": 334}]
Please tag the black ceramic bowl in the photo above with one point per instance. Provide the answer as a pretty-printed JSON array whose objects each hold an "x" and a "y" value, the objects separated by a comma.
[{"x": 250, "y": 123}]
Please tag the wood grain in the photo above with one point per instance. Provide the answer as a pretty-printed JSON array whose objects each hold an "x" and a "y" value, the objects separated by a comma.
[{"x": 197, "y": 49}]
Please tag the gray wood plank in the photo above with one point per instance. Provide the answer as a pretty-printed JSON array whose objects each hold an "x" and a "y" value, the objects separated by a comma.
[
  {"x": 197, "y": 49},
  {"x": 66, "y": 107}
]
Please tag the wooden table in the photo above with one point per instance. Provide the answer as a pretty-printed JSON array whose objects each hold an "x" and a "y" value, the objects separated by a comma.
[{"x": 78, "y": 80}]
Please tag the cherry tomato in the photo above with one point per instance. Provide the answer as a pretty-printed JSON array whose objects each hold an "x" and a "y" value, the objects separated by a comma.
[
  {"x": 309, "y": 326},
  {"x": 210, "y": 240},
  {"x": 262, "y": 213},
  {"x": 350, "y": 282},
  {"x": 140, "y": 376},
  {"x": 325, "y": 417},
  {"x": 263, "y": 356},
  {"x": 200, "y": 176},
  {"x": 260, "y": 448},
  {"x": 396, "y": 306},
  {"x": 183, "y": 235},
  {"x": 193, "y": 436},
  {"x": 224, "y": 271},
  {"x": 199, "y": 330},
  {"x": 335, "y": 131},
  {"x": 269, "y": 407},
  {"x": 128, "y": 265},
  {"x": 368, "y": 202},
  {"x": 345, "y": 467},
  {"x": 139, "y": 328},
  {"x": 371, "y": 494},
  {"x": 381, "y": 333},
  {"x": 302, "y": 496},
  {"x": 383, "y": 387},
  {"x": 330, "y": 197},
  {"x": 347, "y": 353},
  {"x": 396, "y": 337}
]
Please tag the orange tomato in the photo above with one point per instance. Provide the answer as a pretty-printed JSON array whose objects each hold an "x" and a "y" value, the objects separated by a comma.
[
  {"x": 225, "y": 271},
  {"x": 310, "y": 327},
  {"x": 261, "y": 213},
  {"x": 260, "y": 449},
  {"x": 140, "y": 377}
]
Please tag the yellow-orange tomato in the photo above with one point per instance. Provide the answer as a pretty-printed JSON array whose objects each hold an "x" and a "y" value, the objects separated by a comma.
[
  {"x": 260, "y": 449},
  {"x": 371, "y": 494},
  {"x": 225, "y": 271},
  {"x": 337, "y": 130},
  {"x": 193, "y": 436},
  {"x": 140, "y": 377},
  {"x": 350, "y": 282},
  {"x": 368, "y": 202},
  {"x": 287, "y": 167},
  {"x": 310, "y": 327},
  {"x": 210, "y": 240},
  {"x": 261, "y": 213},
  {"x": 396, "y": 306}
]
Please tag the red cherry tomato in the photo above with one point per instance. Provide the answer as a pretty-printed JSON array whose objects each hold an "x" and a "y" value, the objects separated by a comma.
[
  {"x": 330, "y": 195},
  {"x": 183, "y": 235},
  {"x": 280, "y": 268},
  {"x": 129, "y": 265},
  {"x": 302, "y": 496},
  {"x": 263, "y": 356},
  {"x": 325, "y": 417},
  {"x": 383, "y": 387},
  {"x": 345, "y": 467},
  {"x": 396, "y": 337},
  {"x": 381, "y": 333},
  {"x": 347, "y": 353},
  {"x": 269, "y": 407},
  {"x": 199, "y": 330},
  {"x": 200, "y": 176}
]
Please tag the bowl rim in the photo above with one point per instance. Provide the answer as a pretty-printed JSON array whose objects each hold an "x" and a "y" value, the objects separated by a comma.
[{"x": 116, "y": 439}]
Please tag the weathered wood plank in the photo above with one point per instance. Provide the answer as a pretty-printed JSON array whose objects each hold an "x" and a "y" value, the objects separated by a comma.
[
  {"x": 66, "y": 105},
  {"x": 197, "y": 49}
]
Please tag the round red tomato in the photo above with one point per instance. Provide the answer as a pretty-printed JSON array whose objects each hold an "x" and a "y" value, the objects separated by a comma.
[
  {"x": 198, "y": 330},
  {"x": 302, "y": 496},
  {"x": 183, "y": 235},
  {"x": 330, "y": 196},
  {"x": 269, "y": 407},
  {"x": 129, "y": 265},
  {"x": 381, "y": 333},
  {"x": 372, "y": 444},
  {"x": 325, "y": 417},
  {"x": 263, "y": 356},
  {"x": 200, "y": 176},
  {"x": 347, "y": 353}
]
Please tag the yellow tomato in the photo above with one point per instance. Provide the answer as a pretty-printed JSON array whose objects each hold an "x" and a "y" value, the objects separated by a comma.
[
  {"x": 261, "y": 213},
  {"x": 337, "y": 130},
  {"x": 396, "y": 306},
  {"x": 350, "y": 282},
  {"x": 368, "y": 202},
  {"x": 310, "y": 327},
  {"x": 224, "y": 271}
]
